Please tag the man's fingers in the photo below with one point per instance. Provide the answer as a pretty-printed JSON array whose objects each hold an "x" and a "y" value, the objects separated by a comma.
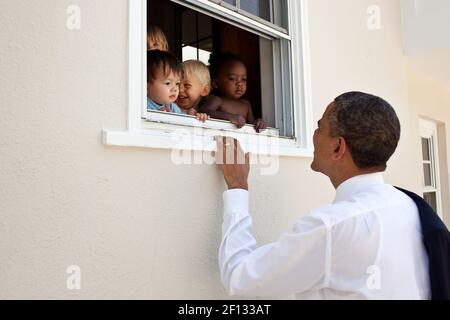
[
  {"x": 240, "y": 156},
  {"x": 226, "y": 150},
  {"x": 220, "y": 150},
  {"x": 219, "y": 142},
  {"x": 229, "y": 151},
  {"x": 237, "y": 152},
  {"x": 223, "y": 149}
]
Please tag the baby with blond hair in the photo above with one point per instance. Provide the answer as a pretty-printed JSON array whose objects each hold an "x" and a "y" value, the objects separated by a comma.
[
  {"x": 195, "y": 85},
  {"x": 156, "y": 40}
]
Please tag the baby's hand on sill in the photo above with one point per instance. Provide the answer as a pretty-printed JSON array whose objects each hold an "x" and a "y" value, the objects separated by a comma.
[
  {"x": 165, "y": 109},
  {"x": 202, "y": 117},
  {"x": 260, "y": 125},
  {"x": 238, "y": 120},
  {"x": 191, "y": 112}
]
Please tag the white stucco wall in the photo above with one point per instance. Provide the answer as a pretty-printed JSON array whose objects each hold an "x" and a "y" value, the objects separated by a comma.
[
  {"x": 425, "y": 25},
  {"x": 137, "y": 225},
  {"x": 429, "y": 98}
]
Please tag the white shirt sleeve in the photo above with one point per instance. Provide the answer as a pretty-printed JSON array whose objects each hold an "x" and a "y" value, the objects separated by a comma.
[{"x": 296, "y": 263}]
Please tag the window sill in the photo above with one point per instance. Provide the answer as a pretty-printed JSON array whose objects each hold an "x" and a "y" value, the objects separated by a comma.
[
  {"x": 156, "y": 118},
  {"x": 196, "y": 136}
]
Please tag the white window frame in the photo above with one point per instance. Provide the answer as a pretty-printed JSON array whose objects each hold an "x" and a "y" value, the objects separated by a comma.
[
  {"x": 162, "y": 135},
  {"x": 428, "y": 130}
]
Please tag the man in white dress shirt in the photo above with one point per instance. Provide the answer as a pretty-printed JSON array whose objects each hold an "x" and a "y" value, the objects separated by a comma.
[{"x": 367, "y": 244}]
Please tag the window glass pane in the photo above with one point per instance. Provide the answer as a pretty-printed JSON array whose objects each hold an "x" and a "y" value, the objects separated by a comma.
[
  {"x": 280, "y": 16},
  {"x": 430, "y": 198},
  {"x": 205, "y": 50},
  {"x": 273, "y": 11},
  {"x": 232, "y": 2},
  {"x": 201, "y": 53},
  {"x": 204, "y": 26},
  {"x": 426, "y": 149},
  {"x": 189, "y": 31},
  {"x": 206, "y": 45},
  {"x": 259, "y": 8},
  {"x": 189, "y": 53},
  {"x": 427, "y": 174},
  {"x": 196, "y": 33}
]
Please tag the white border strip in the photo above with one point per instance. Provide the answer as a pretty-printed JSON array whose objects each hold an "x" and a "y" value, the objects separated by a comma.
[{"x": 136, "y": 60}]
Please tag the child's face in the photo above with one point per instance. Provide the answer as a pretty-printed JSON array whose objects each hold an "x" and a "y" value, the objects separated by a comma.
[
  {"x": 153, "y": 45},
  {"x": 164, "y": 89},
  {"x": 232, "y": 80},
  {"x": 191, "y": 91}
]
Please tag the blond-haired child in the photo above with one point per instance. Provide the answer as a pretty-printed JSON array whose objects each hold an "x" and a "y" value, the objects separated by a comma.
[
  {"x": 194, "y": 86},
  {"x": 156, "y": 40}
]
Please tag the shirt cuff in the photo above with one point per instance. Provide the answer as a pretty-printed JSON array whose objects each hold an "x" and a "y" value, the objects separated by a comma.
[{"x": 235, "y": 201}]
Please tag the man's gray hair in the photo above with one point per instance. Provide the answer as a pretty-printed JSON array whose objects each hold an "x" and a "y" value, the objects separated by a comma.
[{"x": 369, "y": 125}]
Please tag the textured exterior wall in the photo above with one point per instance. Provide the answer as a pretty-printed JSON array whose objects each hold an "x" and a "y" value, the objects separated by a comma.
[{"x": 137, "y": 225}]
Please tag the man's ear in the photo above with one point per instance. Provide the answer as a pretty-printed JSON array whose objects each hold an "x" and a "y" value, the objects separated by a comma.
[{"x": 340, "y": 148}]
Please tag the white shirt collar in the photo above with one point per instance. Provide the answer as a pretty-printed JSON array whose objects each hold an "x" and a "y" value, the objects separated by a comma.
[{"x": 357, "y": 183}]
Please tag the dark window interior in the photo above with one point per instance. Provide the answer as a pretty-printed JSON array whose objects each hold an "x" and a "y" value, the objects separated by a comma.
[{"x": 189, "y": 32}]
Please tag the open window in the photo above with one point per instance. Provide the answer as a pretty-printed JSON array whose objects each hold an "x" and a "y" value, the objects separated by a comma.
[
  {"x": 255, "y": 30},
  {"x": 271, "y": 36},
  {"x": 430, "y": 164}
]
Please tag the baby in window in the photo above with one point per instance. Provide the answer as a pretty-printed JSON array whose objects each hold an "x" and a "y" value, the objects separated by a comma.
[
  {"x": 229, "y": 75},
  {"x": 156, "y": 40},
  {"x": 195, "y": 85},
  {"x": 163, "y": 80}
]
